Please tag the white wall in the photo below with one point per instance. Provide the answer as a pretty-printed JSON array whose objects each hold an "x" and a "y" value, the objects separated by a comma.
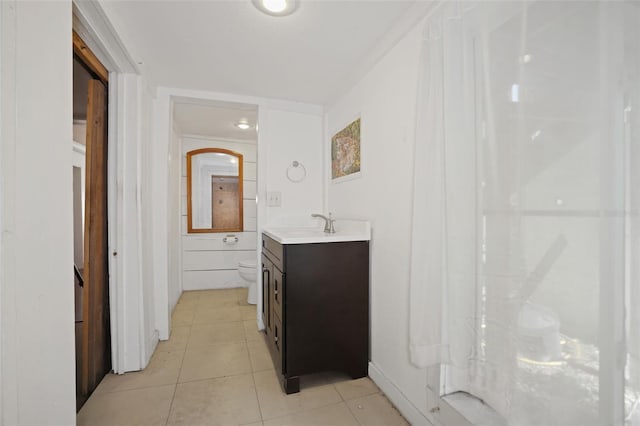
[
  {"x": 79, "y": 161},
  {"x": 80, "y": 131},
  {"x": 145, "y": 219},
  {"x": 36, "y": 283},
  {"x": 207, "y": 262},
  {"x": 162, "y": 205},
  {"x": 293, "y": 136},
  {"x": 385, "y": 99},
  {"x": 175, "y": 220}
]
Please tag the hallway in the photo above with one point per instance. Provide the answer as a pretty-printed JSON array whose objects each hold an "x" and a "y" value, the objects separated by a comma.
[{"x": 216, "y": 370}]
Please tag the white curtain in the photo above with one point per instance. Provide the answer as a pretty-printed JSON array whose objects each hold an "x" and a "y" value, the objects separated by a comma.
[
  {"x": 526, "y": 251},
  {"x": 427, "y": 342}
]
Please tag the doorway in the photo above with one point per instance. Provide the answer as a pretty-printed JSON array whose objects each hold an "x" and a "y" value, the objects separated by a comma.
[
  {"x": 91, "y": 278},
  {"x": 204, "y": 260}
]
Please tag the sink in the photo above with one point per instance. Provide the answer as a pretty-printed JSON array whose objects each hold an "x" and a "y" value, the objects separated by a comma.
[{"x": 346, "y": 230}]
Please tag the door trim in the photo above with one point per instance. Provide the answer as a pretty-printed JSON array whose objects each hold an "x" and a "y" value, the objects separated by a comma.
[
  {"x": 96, "y": 344},
  {"x": 91, "y": 24},
  {"x": 89, "y": 59}
]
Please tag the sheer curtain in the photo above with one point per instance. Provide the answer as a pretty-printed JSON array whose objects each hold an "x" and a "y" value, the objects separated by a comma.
[{"x": 526, "y": 251}]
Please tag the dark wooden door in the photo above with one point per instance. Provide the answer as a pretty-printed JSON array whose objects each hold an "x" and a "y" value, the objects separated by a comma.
[
  {"x": 225, "y": 202},
  {"x": 96, "y": 341}
]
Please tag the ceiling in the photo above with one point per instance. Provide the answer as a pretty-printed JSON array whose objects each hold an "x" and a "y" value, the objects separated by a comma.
[
  {"x": 215, "y": 119},
  {"x": 229, "y": 46}
]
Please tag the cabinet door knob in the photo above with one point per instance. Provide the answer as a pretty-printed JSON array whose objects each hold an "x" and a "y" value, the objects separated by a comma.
[{"x": 276, "y": 339}]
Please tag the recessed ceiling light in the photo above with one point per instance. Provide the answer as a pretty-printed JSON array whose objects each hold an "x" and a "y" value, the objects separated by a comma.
[
  {"x": 276, "y": 7},
  {"x": 243, "y": 125}
]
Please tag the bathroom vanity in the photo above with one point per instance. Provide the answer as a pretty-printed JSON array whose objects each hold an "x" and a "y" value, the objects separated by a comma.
[{"x": 316, "y": 302}]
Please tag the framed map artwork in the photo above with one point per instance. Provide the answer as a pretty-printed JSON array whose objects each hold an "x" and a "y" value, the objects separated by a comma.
[{"x": 345, "y": 153}]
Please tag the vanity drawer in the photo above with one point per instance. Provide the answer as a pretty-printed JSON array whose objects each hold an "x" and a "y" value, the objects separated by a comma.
[{"x": 275, "y": 251}]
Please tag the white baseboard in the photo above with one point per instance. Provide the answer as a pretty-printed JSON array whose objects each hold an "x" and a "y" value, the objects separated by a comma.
[{"x": 397, "y": 398}]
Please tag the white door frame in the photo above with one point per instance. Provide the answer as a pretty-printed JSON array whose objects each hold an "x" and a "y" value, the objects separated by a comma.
[
  {"x": 92, "y": 25},
  {"x": 163, "y": 130},
  {"x": 163, "y": 125}
]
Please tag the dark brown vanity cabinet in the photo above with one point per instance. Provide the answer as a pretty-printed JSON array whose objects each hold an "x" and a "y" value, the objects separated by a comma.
[{"x": 316, "y": 308}]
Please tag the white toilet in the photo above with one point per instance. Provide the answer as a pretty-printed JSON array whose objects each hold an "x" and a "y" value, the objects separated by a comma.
[{"x": 247, "y": 270}]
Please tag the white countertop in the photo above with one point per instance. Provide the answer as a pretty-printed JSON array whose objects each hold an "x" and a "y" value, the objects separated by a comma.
[{"x": 346, "y": 230}]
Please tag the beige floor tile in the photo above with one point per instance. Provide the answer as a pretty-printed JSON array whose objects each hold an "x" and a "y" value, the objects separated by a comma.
[
  {"x": 217, "y": 303},
  {"x": 251, "y": 330},
  {"x": 220, "y": 293},
  {"x": 163, "y": 369},
  {"x": 225, "y": 359},
  {"x": 242, "y": 293},
  {"x": 182, "y": 317},
  {"x": 178, "y": 340},
  {"x": 216, "y": 314},
  {"x": 374, "y": 410},
  {"x": 275, "y": 403},
  {"x": 139, "y": 407},
  {"x": 218, "y": 298},
  {"x": 249, "y": 312},
  {"x": 223, "y": 401},
  {"x": 189, "y": 296},
  {"x": 187, "y": 304},
  {"x": 211, "y": 334},
  {"x": 223, "y": 368},
  {"x": 352, "y": 389},
  {"x": 259, "y": 355},
  {"x": 320, "y": 379},
  {"x": 334, "y": 415}
]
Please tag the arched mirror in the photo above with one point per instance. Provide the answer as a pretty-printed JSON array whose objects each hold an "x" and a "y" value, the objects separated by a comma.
[{"x": 214, "y": 191}]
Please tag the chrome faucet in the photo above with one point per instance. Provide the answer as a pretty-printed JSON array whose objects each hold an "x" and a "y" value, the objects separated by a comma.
[{"x": 328, "y": 223}]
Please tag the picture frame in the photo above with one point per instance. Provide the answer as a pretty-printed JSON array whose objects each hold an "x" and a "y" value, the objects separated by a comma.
[{"x": 346, "y": 153}]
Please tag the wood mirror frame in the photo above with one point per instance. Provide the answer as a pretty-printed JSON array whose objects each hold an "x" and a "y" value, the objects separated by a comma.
[{"x": 238, "y": 224}]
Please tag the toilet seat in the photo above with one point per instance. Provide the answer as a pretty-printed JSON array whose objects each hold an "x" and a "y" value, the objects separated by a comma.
[{"x": 247, "y": 263}]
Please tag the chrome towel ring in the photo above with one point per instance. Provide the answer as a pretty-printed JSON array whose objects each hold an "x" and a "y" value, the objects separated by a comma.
[{"x": 296, "y": 172}]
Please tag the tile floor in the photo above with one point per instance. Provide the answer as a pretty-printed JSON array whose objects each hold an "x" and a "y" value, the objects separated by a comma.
[{"x": 216, "y": 370}]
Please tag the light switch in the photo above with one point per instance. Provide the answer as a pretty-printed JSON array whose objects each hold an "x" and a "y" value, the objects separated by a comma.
[{"x": 274, "y": 198}]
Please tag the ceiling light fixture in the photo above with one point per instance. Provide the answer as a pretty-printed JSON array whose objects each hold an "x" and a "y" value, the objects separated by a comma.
[
  {"x": 276, "y": 7},
  {"x": 243, "y": 124}
]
